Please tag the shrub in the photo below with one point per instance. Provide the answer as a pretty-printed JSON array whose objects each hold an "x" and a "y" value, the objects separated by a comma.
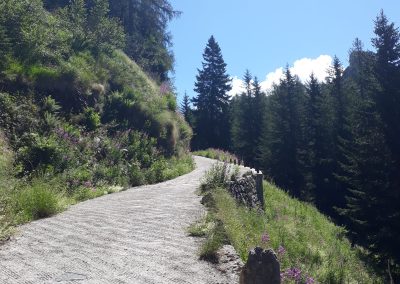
[
  {"x": 50, "y": 105},
  {"x": 156, "y": 172},
  {"x": 216, "y": 177},
  {"x": 136, "y": 175},
  {"x": 171, "y": 101},
  {"x": 92, "y": 119},
  {"x": 42, "y": 153},
  {"x": 35, "y": 201},
  {"x": 41, "y": 74}
]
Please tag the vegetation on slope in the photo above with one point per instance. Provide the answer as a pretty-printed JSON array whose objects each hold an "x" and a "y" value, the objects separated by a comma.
[
  {"x": 78, "y": 116},
  {"x": 216, "y": 154},
  {"x": 305, "y": 240}
]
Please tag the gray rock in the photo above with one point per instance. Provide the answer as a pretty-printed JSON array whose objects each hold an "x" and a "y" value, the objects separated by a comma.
[{"x": 262, "y": 267}]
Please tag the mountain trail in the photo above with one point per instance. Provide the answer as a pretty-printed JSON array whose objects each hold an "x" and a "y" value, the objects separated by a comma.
[{"x": 135, "y": 236}]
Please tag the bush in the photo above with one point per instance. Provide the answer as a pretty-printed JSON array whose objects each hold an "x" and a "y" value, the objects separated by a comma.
[
  {"x": 156, "y": 172},
  {"x": 136, "y": 175},
  {"x": 42, "y": 153},
  {"x": 92, "y": 119},
  {"x": 216, "y": 177},
  {"x": 34, "y": 202}
]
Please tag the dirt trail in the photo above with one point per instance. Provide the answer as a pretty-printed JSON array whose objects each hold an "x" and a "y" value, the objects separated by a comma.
[{"x": 135, "y": 236}]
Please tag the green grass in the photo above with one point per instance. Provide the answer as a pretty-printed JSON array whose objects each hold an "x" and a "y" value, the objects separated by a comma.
[
  {"x": 22, "y": 201},
  {"x": 311, "y": 241},
  {"x": 6, "y": 159},
  {"x": 34, "y": 201},
  {"x": 216, "y": 154}
]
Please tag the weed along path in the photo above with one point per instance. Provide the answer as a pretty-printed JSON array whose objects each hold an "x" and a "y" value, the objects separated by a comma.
[{"x": 135, "y": 236}]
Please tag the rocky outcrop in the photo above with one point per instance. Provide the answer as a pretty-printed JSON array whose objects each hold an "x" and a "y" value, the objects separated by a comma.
[{"x": 262, "y": 267}]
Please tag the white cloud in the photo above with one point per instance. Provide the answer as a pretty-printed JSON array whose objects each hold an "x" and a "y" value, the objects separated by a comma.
[
  {"x": 272, "y": 78},
  {"x": 305, "y": 66},
  {"x": 302, "y": 68},
  {"x": 237, "y": 86}
]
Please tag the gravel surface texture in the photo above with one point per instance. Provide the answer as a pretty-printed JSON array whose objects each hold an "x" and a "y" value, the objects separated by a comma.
[{"x": 135, "y": 236}]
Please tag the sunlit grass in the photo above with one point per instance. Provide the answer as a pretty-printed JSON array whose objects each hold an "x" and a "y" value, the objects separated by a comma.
[
  {"x": 302, "y": 237},
  {"x": 216, "y": 154},
  {"x": 311, "y": 241}
]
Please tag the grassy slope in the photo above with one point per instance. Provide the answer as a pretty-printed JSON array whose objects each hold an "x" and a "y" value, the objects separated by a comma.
[
  {"x": 24, "y": 201},
  {"x": 311, "y": 242},
  {"x": 5, "y": 184},
  {"x": 216, "y": 154}
]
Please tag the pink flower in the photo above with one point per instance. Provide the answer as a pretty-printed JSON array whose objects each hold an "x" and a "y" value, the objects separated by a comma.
[
  {"x": 310, "y": 280},
  {"x": 87, "y": 184},
  {"x": 265, "y": 238},
  {"x": 281, "y": 250}
]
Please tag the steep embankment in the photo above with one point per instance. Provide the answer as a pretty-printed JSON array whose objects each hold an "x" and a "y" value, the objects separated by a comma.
[
  {"x": 81, "y": 118},
  {"x": 135, "y": 236},
  {"x": 310, "y": 247}
]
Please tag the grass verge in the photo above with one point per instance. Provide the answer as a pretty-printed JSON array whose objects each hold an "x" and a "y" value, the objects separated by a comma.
[
  {"x": 304, "y": 239},
  {"x": 216, "y": 154}
]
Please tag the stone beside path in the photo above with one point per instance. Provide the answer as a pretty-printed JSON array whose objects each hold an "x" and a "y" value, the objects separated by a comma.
[{"x": 135, "y": 236}]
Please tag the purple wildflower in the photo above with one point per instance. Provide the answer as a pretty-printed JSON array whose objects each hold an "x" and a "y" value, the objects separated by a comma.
[
  {"x": 265, "y": 238},
  {"x": 310, "y": 280},
  {"x": 281, "y": 251},
  {"x": 293, "y": 273},
  {"x": 87, "y": 184}
]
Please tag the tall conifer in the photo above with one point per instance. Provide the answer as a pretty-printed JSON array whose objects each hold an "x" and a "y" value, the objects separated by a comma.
[{"x": 212, "y": 102}]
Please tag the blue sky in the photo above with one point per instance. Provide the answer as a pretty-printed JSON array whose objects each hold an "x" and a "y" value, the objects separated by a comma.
[{"x": 263, "y": 36}]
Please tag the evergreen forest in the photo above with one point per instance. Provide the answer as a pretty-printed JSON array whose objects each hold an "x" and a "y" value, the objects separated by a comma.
[{"x": 333, "y": 143}]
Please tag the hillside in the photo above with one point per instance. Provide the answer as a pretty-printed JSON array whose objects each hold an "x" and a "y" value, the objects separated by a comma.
[
  {"x": 80, "y": 117},
  {"x": 305, "y": 240}
]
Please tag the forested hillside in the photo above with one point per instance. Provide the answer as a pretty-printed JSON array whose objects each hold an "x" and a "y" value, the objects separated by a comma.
[
  {"x": 334, "y": 143},
  {"x": 86, "y": 106}
]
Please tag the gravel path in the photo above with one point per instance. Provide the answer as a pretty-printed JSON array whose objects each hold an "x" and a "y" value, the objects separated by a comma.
[{"x": 135, "y": 236}]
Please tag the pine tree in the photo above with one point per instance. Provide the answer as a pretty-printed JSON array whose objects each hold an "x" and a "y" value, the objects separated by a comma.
[
  {"x": 387, "y": 72},
  {"x": 211, "y": 113},
  {"x": 242, "y": 118},
  {"x": 186, "y": 110},
  {"x": 331, "y": 193},
  {"x": 367, "y": 170},
  {"x": 259, "y": 110},
  {"x": 5, "y": 45},
  {"x": 281, "y": 142},
  {"x": 312, "y": 140},
  {"x": 146, "y": 26}
]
